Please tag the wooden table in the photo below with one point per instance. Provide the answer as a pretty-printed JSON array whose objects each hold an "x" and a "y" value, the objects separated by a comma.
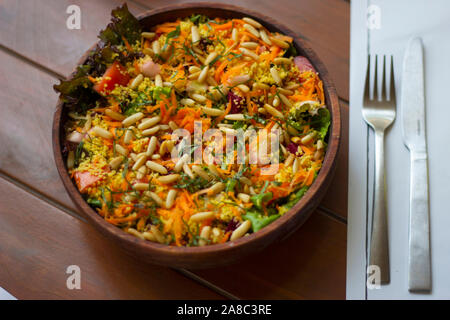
[{"x": 41, "y": 231}]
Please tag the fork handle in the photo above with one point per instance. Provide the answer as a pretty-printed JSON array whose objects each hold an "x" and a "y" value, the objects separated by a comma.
[{"x": 379, "y": 246}]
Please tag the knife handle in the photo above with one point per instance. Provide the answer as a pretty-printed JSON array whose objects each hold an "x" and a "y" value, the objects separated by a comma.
[
  {"x": 419, "y": 229},
  {"x": 379, "y": 246}
]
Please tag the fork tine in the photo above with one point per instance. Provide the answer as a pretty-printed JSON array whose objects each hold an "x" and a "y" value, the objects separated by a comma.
[
  {"x": 383, "y": 81},
  {"x": 375, "y": 80},
  {"x": 392, "y": 84},
  {"x": 367, "y": 84}
]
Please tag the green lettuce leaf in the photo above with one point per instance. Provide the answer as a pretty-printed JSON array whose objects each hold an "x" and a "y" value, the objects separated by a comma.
[
  {"x": 123, "y": 24},
  {"x": 321, "y": 122},
  {"x": 259, "y": 221}
]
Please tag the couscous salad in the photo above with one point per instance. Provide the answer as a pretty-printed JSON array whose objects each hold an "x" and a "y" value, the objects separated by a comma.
[{"x": 139, "y": 87}]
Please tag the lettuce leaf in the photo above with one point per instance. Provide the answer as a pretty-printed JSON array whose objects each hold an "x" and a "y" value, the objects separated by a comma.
[
  {"x": 259, "y": 221},
  {"x": 321, "y": 122},
  {"x": 77, "y": 93},
  {"x": 123, "y": 25}
]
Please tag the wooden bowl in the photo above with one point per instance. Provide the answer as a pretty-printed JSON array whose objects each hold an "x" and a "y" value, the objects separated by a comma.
[{"x": 218, "y": 254}]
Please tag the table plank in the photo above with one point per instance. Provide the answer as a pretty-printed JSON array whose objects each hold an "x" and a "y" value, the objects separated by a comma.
[
  {"x": 38, "y": 243},
  {"x": 37, "y": 29},
  {"x": 28, "y": 102},
  {"x": 308, "y": 265},
  {"x": 323, "y": 23}
]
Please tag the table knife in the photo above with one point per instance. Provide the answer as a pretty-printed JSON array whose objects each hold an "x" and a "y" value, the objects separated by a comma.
[{"x": 414, "y": 136}]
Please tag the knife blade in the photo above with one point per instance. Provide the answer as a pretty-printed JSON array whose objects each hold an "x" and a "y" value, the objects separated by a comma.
[{"x": 414, "y": 136}]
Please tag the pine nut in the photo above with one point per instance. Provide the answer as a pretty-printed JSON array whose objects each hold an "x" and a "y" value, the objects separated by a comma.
[
  {"x": 234, "y": 35},
  {"x": 114, "y": 115},
  {"x": 173, "y": 125},
  {"x": 249, "y": 53},
  {"x": 243, "y": 88},
  {"x": 166, "y": 146},
  {"x": 158, "y": 81},
  {"x": 282, "y": 60},
  {"x": 200, "y": 216},
  {"x": 210, "y": 57},
  {"x": 252, "y": 30},
  {"x": 158, "y": 234},
  {"x": 276, "y": 101},
  {"x": 249, "y": 45},
  {"x": 135, "y": 233},
  {"x": 320, "y": 145},
  {"x": 195, "y": 35},
  {"x": 170, "y": 198},
  {"x": 260, "y": 86},
  {"x": 318, "y": 154},
  {"x": 149, "y": 122},
  {"x": 200, "y": 172},
  {"x": 150, "y": 131},
  {"x": 140, "y": 186},
  {"x": 286, "y": 92},
  {"x": 180, "y": 163},
  {"x": 274, "y": 112},
  {"x": 100, "y": 132},
  {"x": 148, "y": 35},
  {"x": 213, "y": 112},
  {"x": 194, "y": 69},
  {"x": 187, "y": 102},
  {"x": 188, "y": 171},
  {"x": 156, "y": 167},
  {"x": 199, "y": 98},
  {"x": 170, "y": 178},
  {"x": 149, "y": 236},
  {"x": 275, "y": 75},
  {"x": 212, "y": 168},
  {"x": 289, "y": 160},
  {"x": 132, "y": 119},
  {"x": 204, "y": 235},
  {"x": 285, "y": 100},
  {"x": 156, "y": 47},
  {"x": 203, "y": 74},
  {"x": 235, "y": 117},
  {"x": 194, "y": 76},
  {"x": 216, "y": 188},
  {"x": 241, "y": 230},
  {"x": 148, "y": 51},
  {"x": 280, "y": 43},
  {"x": 254, "y": 23},
  {"x": 139, "y": 162},
  {"x": 245, "y": 180},
  {"x": 136, "y": 81},
  {"x": 240, "y": 79},
  {"x": 265, "y": 37},
  {"x": 155, "y": 198},
  {"x": 244, "y": 197},
  {"x": 308, "y": 138},
  {"x": 296, "y": 165},
  {"x": 151, "y": 146},
  {"x": 128, "y": 135}
]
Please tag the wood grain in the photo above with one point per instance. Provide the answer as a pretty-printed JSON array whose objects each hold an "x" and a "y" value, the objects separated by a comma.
[
  {"x": 322, "y": 23},
  {"x": 38, "y": 243},
  {"x": 37, "y": 29},
  {"x": 25, "y": 127},
  {"x": 308, "y": 265}
]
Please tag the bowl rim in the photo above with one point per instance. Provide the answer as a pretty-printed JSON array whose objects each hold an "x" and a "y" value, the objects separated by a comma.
[{"x": 303, "y": 207}]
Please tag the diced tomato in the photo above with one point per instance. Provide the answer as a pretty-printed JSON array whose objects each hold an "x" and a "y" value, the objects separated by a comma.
[
  {"x": 115, "y": 74},
  {"x": 85, "y": 179}
]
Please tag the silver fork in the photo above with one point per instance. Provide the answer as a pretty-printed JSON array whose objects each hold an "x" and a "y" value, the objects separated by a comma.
[{"x": 379, "y": 113}]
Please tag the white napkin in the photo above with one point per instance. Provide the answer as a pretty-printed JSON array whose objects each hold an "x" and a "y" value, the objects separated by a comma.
[
  {"x": 399, "y": 21},
  {"x": 5, "y": 295}
]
